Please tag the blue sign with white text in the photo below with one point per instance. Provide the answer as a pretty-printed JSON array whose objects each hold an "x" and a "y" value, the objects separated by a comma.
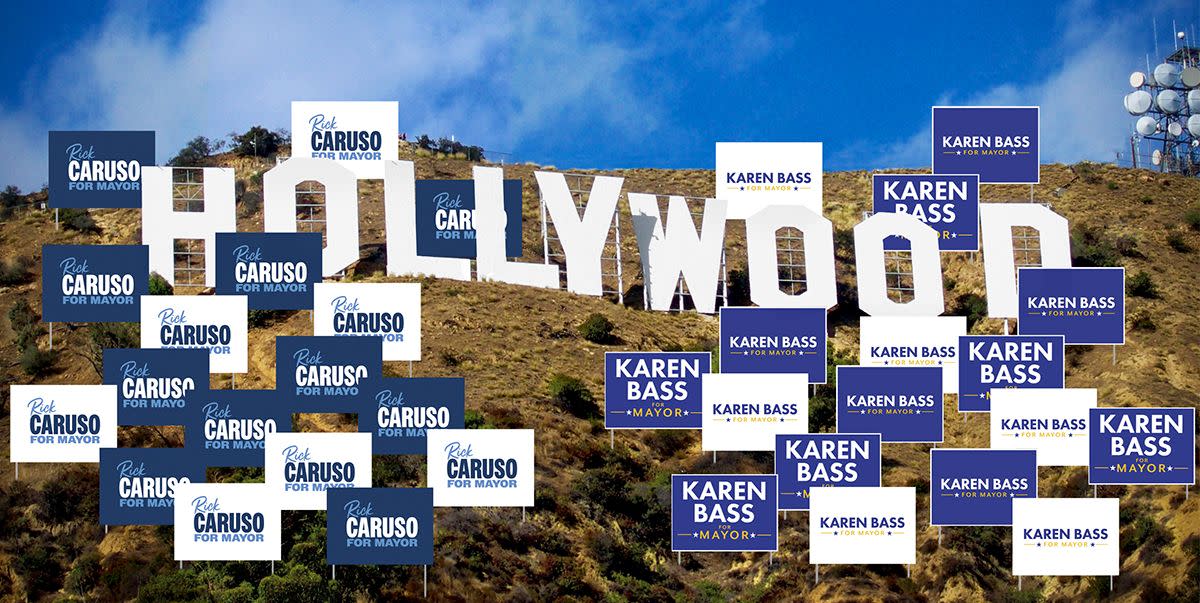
[
  {"x": 987, "y": 362},
  {"x": 274, "y": 270},
  {"x": 774, "y": 340},
  {"x": 446, "y": 218},
  {"x": 1084, "y": 305},
  {"x": 379, "y": 526},
  {"x": 399, "y": 412},
  {"x": 949, "y": 204},
  {"x": 901, "y": 403},
  {"x": 653, "y": 390},
  {"x": 137, "y": 485},
  {"x": 1000, "y": 144},
  {"x": 1142, "y": 446},
  {"x": 229, "y": 430},
  {"x": 976, "y": 487},
  {"x": 724, "y": 513},
  {"x": 808, "y": 460},
  {"x": 94, "y": 283},
  {"x": 326, "y": 373},
  {"x": 156, "y": 387},
  {"x": 98, "y": 169}
]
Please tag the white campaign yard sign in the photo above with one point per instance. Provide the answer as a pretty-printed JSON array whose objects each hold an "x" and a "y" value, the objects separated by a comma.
[
  {"x": 754, "y": 175},
  {"x": 216, "y": 323},
  {"x": 745, "y": 411},
  {"x": 388, "y": 310},
  {"x": 300, "y": 467},
  {"x": 852, "y": 525},
  {"x": 913, "y": 341},
  {"x": 480, "y": 467},
  {"x": 1054, "y": 422},
  {"x": 61, "y": 423},
  {"x": 226, "y": 522},
  {"x": 1066, "y": 537},
  {"x": 359, "y": 135}
]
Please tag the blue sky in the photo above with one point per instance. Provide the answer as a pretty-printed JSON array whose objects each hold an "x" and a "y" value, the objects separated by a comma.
[{"x": 576, "y": 85}]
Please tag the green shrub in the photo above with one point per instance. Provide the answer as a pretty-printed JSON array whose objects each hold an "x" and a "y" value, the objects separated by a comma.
[
  {"x": 973, "y": 306},
  {"x": 36, "y": 362},
  {"x": 21, "y": 315},
  {"x": 298, "y": 585},
  {"x": 1178, "y": 242},
  {"x": 1142, "y": 320},
  {"x": 1112, "y": 186},
  {"x": 182, "y": 585},
  {"x": 85, "y": 574},
  {"x": 573, "y": 396},
  {"x": 159, "y": 285},
  {"x": 473, "y": 419},
  {"x": 597, "y": 328},
  {"x": 1146, "y": 200},
  {"x": 1086, "y": 171},
  {"x": 108, "y": 335},
  {"x": 1090, "y": 248},
  {"x": 262, "y": 318},
  {"x": 78, "y": 220},
  {"x": 1192, "y": 218},
  {"x": 16, "y": 271},
  {"x": 1141, "y": 285}
]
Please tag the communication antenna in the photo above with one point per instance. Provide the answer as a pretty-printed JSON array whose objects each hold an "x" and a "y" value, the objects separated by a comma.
[{"x": 1165, "y": 106}]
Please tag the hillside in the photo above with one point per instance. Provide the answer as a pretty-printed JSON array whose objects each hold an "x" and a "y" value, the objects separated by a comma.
[{"x": 600, "y": 527}]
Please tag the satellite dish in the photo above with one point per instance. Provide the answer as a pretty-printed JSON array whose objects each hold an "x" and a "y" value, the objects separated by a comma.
[
  {"x": 1139, "y": 101},
  {"x": 1156, "y": 157},
  {"x": 1190, "y": 76},
  {"x": 1146, "y": 125},
  {"x": 1180, "y": 35},
  {"x": 1170, "y": 101},
  {"x": 1174, "y": 129},
  {"x": 1137, "y": 79},
  {"x": 1166, "y": 74},
  {"x": 1193, "y": 126}
]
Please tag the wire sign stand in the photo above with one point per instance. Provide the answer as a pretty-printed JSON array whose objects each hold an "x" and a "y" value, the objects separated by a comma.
[{"x": 612, "y": 279}]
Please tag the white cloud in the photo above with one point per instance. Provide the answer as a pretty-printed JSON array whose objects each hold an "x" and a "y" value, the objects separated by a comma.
[
  {"x": 1082, "y": 116},
  {"x": 493, "y": 75}
]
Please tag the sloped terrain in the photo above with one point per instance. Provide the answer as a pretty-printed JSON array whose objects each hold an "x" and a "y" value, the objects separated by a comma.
[{"x": 600, "y": 526}]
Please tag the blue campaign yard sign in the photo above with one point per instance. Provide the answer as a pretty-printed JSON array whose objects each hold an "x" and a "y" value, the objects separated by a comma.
[
  {"x": 446, "y": 218},
  {"x": 156, "y": 387},
  {"x": 774, "y": 340},
  {"x": 137, "y": 485},
  {"x": 1084, "y": 305},
  {"x": 274, "y": 270},
  {"x": 1142, "y": 446},
  {"x": 1000, "y": 144},
  {"x": 976, "y": 486},
  {"x": 398, "y": 412},
  {"x": 98, "y": 169},
  {"x": 94, "y": 283},
  {"x": 810, "y": 460},
  {"x": 229, "y": 429},
  {"x": 654, "y": 390},
  {"x": 379, "y": 526},
  {"x": 901, "y": 403},
  {"x": 948, "y": 203},
  {"x": 326, "y": 373},
  {"x": 724, "y": 513},
  {"x": 987, "y": 362}
]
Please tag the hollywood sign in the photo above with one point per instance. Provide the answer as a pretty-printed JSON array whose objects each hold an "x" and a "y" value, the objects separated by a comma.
[{"x": 667, "y": 253}]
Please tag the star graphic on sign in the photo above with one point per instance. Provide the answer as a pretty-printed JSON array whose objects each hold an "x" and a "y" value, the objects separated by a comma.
[
  {"x": 728, "y": 420},
  {"x": 889, "y": 532},
  {"x": 956, "y": 495},
  {"x": 687, "y": 412},
  {"x": 780, "y": 419},
  {"x": 695, "y": 534},
  {"x": 1016, "y": 435},
  {"x": 958, "y": 153},
  {"x": 1070, "y": 435},
  {"x": 743, "y": 188},
  {"x": 885, "y": 361},
  {"x": 835, "y": 533},
  {"x": 939, "y": 363},
  {"x": 1093, "y": 544},
  {"x": 628, "y": 412},
  {"x": 795, "y": 188},
  {"x": 1039, "y": 544},
  {"x": 1112, "y": 467},
  {"x": 753, "y": 535},
  {"x": 1043, "y": 312}
]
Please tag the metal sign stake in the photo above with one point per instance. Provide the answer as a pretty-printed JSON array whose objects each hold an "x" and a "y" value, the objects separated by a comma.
[
  {"x": 410, "y": 368},
  {"x": 522, "y": 514},
  {"x": 334, "y": 573},
  {"x": 817, "y": 569},
  {"x": 679, "y": 558},
  {"x": 56, "y": 218},
  {"x": 939, "y": 535},
  {"x": 425, "y": 581},
  {"x": 1114, "y": 355},
  {"x": 612, "y": 439}
]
